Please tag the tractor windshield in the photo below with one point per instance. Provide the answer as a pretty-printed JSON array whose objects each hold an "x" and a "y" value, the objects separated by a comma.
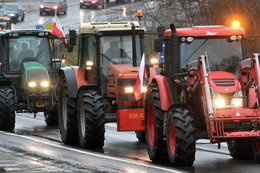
[
  {"x": 223, "y": 54},
  {"x": 28, "y": 48},
  {"x": 118, "y": 50}
]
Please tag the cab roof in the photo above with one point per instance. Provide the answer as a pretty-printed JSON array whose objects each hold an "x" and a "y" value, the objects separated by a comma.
[
  {"x": 206, "y": 31},
  {"x": 93, "y": 28}
]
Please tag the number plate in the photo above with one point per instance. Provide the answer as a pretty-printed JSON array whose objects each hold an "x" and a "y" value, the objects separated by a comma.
[
  {"x": 47, "y": 9},
  {"x": 87, "y": 3}
]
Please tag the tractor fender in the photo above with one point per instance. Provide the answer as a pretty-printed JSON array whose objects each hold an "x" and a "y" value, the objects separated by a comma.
[
  {"x": 70, "y": 77},
  {"x": 164, "y": 92}
]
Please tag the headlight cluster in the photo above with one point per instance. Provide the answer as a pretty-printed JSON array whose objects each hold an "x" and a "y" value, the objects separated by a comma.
[
  {"x": 221, "y": 102},
  {"x": 43, "y": 84},
  {"x": 130, "y": 90}
]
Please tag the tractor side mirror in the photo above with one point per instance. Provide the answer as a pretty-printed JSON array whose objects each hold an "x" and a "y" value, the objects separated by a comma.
[
  {"x": 158, "y": 45},
  {"x": 160, "y": 31},
  {"x": 72, "y": 36}
]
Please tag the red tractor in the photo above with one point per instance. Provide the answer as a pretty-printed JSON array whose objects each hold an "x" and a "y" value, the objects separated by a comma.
[
  {"x": 198, "y": 95},
  {"x": 101, "y": 88}
]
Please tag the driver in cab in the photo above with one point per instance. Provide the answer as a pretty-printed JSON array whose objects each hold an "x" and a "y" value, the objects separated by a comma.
[
  {"x": 25, "y": 52},
  {"x": 115, "y": 51}
]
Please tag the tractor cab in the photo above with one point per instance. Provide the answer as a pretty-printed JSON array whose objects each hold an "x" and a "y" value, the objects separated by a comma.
[{"x": 109, "y": 52}]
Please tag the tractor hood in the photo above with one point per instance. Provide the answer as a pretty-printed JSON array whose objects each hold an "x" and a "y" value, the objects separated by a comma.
[
  {"x": 124, "y": 71},
  {"x": 224, "y": 82},
  {"x": 35, "y": 77}
]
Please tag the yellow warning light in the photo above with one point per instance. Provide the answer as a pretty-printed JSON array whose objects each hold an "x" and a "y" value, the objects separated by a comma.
[
  {"x": 235, "y": 24},
  {"x": 139, "y": 13}
]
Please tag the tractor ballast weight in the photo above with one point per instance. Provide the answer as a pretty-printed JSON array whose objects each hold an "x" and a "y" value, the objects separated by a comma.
[
  {"x": 206, "y": 100},
  {"x": 101, "y": 88}
]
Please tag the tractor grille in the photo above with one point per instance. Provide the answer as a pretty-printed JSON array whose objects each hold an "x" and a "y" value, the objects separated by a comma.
[{"x": 225, "y": 82}]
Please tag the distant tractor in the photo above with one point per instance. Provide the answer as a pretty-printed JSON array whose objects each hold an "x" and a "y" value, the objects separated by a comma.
[
  {"x": 198, "y": 95},
  {"x": 28, "y": 78},
  {"x": 101, "y": 89}
]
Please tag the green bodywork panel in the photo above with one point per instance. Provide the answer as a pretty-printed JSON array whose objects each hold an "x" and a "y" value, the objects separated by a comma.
[{"x": 34, "y": 71}]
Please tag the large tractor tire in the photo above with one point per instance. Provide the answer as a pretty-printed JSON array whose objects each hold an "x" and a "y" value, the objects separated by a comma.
[
  {"x": 240, "y": 149},
  {"x": 140, "y": 135},
  {"x": 51, "y": 118},
  {"x": 181, "y": 137},
  {"x": 154, "y": 117},
  {"x": 91, "y": 120},
  {"x": 7, "y": 108},
  {"x": 67, "y": 115}
]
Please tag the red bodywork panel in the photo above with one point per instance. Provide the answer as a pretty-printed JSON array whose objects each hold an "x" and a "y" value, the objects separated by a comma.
[
  {"x": 164, "y": 92},
  {"x": 201, "y": 31},
  {"x": 122, "y": 71},
  {"x": 130, "y": 119},
  {"x": 79, "y": 74},
  {"x": 219, "y": 81}
]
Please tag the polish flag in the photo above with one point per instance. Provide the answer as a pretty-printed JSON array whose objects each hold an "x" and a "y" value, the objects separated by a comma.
[
  {"x": 140, "y": 80},
  {"x": 58, "y": 31}
]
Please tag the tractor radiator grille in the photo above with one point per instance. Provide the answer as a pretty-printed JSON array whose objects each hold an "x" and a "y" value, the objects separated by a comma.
[{"x": 225, "y": 82}]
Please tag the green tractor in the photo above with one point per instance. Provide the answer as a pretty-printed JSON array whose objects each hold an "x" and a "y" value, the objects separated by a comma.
[{"x": 28, "y": 76}]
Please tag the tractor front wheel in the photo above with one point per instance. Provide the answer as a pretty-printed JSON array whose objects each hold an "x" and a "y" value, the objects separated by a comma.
[
  {"x": 154, "y": 117},
  {"x": 7, "y": 108},
  {"x": 240, "y": 149},
  {"x": 91, "y": 120},
  {"x": 67, "y": 114},
  {"x": 181, "y": 137}
]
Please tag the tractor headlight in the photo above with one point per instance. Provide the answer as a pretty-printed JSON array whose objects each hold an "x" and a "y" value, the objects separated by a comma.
[
  {"x": 129, "y": 90},
  {"x": 44, "y": 84},
  {"x": 237, "y": 102},
  {"x": 144, "y": 89},
  {"x": 219, "y": 102},
  {"x": 32, "y": 84},
  {"x": 154, "y": 62}
]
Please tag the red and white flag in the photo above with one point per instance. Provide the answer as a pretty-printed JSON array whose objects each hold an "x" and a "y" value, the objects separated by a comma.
[
  {"x": 140, "y": 80},
  {"x": 58, "y": 31}
]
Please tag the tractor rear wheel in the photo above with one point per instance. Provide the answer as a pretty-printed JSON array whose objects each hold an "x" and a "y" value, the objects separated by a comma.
[
  {"x": 240, "y": 149},
  {"x": 7, "y": 108},
  {"x": 51, "y": 118},
  {"x": 154, "y": 117},
  {"x": 140, "y": 135},
  {"x": 67, "y": 114},
  {"x": 91, "y": 120},
  {"x": 181, "y": 137}
]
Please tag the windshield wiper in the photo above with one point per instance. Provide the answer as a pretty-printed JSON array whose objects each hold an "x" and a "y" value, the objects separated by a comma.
[{"x": 196, "y": 50}]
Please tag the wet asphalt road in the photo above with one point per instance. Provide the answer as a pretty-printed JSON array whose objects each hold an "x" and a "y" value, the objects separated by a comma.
[
  {"x": 38, "y": 148},
  {"x": 34, "y": 147}
]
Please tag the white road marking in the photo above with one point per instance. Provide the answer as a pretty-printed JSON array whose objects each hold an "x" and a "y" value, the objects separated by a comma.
[{"x": 94, "y": 154}]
